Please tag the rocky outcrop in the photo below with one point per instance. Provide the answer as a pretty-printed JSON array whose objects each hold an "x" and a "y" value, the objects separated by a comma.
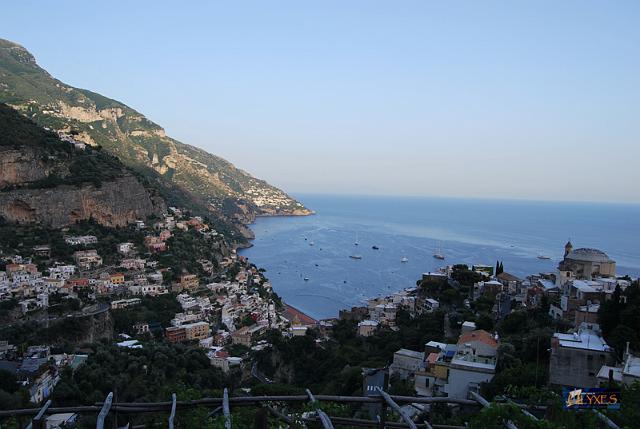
[
  {"x": 20, "y": 166},
  {"x": 115, "y": 203},
  {"x": 138, "y": 142}
]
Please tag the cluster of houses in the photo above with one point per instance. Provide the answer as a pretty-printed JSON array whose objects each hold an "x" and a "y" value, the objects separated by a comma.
[
  {"x": 271, "y": 198},
  {"x": 449, "y": 369},
  {"x": 37, "y": 368},
  {"x": 240, "y": 308},
  {"x": 581, "y": 357}
]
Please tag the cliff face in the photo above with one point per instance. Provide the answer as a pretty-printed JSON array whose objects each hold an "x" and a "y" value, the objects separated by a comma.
[
  {"x": 136, "y": 141},
  {"x": 48, "y": 181},
  {"x": 19, "y": 166},
  {"x": 115, "y": 203}
]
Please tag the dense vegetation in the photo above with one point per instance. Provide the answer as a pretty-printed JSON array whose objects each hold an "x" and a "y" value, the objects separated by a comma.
[
  {"x": 336, "y": 366},
  {"x": 185, "y": 249},
  {"x": 68, "y": 166},
  {"x": 20, "y": 239},
  {"x": 193, "y": 176},
  {"x": 619, "y": 319},
  {"x": 157, "y": 311}
]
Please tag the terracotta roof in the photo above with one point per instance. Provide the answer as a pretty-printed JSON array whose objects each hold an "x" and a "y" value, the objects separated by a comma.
[
  {"x": 291, "y": 313},
  {"x": 508, "y": 277},
  {"x": 479, "y": 335}
]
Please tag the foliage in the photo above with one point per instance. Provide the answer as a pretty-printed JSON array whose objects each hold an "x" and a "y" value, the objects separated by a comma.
[
  {"x": 68, "y": 165},
  {"x": 184, "y": 249},
  {"x": 335, "y": 366},
  {"x": 463, "y": 275},
  {"x": 620, "y": 320},
  {"x": 159, "y": 310},
  {"x": 138, "y": 375}
]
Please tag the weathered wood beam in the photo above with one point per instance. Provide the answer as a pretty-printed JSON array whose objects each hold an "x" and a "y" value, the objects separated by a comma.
[
  {"x": 508, "y": 424},
  {"x": 397, "y": 409},
  {"x": 324, "y": 418},
  {"x": 606, "y": 420},
  {"x": 172, "y": 416},
  {"x": 226, "y": 409},
  {"x": 38, "y": 421},
  {"x": 104, "y": 411}
]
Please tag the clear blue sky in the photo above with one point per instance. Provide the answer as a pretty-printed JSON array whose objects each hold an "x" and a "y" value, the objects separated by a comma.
[{"x": 535, "y": 99}]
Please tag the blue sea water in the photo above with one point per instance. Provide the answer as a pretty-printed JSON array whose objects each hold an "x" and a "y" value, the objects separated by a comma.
[{"x": 466, "y": 230}]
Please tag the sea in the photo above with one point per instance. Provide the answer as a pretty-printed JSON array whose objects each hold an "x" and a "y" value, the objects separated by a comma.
[{"x": 308, "y": 259}]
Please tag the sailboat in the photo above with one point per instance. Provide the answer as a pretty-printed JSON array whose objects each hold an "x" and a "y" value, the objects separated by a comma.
[
  {"x": 438, "y": 254},
  {"x": 356, "y": 242}
]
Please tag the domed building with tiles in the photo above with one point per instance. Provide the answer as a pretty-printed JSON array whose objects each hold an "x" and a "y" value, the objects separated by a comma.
[{"x": 585, "y": 263}]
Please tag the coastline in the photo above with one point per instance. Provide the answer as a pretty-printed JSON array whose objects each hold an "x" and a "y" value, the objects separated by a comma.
[{"x": 291, "y": 313}]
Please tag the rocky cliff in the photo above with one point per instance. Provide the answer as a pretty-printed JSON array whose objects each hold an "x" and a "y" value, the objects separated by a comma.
[
  {"x": 116, "y": 203},
  {"x": 139, "y": 143},
  {"x": 48, "y": 181}
]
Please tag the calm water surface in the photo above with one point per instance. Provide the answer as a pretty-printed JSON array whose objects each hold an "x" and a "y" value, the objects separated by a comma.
[{"x": 467, "y": 231}]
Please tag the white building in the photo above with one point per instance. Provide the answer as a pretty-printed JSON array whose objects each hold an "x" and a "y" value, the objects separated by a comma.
[{"x": 406, "y": 363}]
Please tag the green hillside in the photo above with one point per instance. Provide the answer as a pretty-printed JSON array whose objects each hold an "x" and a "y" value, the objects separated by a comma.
[{"x": 204, "y": 179}]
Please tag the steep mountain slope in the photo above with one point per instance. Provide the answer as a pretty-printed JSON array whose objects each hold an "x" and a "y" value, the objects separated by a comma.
[
  {"x": 139, "y": 143},
  {"x": 52, "y": 182}
]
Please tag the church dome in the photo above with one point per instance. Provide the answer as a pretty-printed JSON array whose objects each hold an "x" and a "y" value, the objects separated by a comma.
[{"x": 589, "y": 255}]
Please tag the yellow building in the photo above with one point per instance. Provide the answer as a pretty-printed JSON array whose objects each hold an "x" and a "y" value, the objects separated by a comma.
[
  {"x": 196, "y": 331},
  {"x": 117, "y": 278}
]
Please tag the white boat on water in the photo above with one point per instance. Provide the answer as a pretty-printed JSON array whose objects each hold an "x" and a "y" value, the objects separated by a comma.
[
  {"x": 306, "y": 279},
  {"x": 437, "y": 253},
  {"x": 544, "y": 257},
  {"x": 311, "y": 243},
  {"x": 355, "y": 256},
  {"x": 404, "y": 259}
]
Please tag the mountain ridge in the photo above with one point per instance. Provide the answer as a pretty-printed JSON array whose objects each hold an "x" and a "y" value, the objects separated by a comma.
[{"x": 138, "y": 142}]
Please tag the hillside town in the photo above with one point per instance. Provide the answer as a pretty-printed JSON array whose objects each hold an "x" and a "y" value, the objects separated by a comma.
[
  {"x": 231, "y": 304},
  {"x": 229, "y": 311}
]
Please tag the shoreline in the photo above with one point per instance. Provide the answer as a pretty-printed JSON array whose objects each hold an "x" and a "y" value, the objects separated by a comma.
[{"x": 290, "y": 313}]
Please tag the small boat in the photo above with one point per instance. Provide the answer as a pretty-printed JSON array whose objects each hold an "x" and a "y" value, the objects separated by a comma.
[
  {"x": 306, "y": 279},
  {"x": 355, "y": 256},
  {"x": 404, "y": 259},
  {"x": 544, "y": 257},
  {"x": 356, "y": 242},
  {"x": 375, "y": 247},
  {"x": 311, "y": 243},
  {"x": 437, "y": 253}
]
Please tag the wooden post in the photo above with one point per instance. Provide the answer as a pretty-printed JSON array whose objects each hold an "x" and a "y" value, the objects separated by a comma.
[
  {"x": 606, "y": 420},
  {"x": 397, "y": 408},
  {"x": 383, "y": 414},
  {"x": 324, "y": 418},
  {"x": 104, "y": 411},
  {"x": 509, "y": 424},
  {"x": 172, "y": 416},
  {"x": 38, "y": 421},
  {"x": 226, "y": 410}
]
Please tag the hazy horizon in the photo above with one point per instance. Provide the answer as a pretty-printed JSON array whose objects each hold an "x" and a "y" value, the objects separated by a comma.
[{"x": 493, "y": 100}]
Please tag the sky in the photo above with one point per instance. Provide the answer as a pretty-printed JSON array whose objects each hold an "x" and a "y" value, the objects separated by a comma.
[{"x": 533, "y": 100}]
